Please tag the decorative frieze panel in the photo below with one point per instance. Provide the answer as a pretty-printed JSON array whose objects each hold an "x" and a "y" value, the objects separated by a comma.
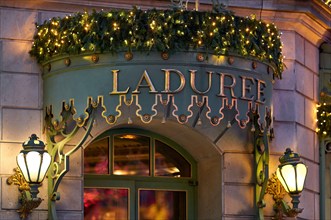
[{"x": 147, "y": 86}]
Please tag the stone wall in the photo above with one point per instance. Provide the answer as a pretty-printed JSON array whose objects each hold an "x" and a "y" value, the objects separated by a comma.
[
  {"x": 20, "y": 100},
  {"x": 294, "y": 111}
]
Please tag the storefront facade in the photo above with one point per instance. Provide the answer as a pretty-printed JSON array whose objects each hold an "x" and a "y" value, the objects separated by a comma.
[{"x": 144, "y": 127}]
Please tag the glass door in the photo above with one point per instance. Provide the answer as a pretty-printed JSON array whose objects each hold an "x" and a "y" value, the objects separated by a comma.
[
  {"x": 125, "y": 200},
  {"x": 133, "y": 175},
  {"x": 106, "y": 203},
  {"x": 165, "y": 201},
  {"x": 110, "y": 200},
  {"x": 161, "y": 204}
]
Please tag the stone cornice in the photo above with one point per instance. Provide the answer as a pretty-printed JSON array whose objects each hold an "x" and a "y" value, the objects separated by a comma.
[
  {"x": 322, "y": 11},
  {"x": 79, "y": 5}
]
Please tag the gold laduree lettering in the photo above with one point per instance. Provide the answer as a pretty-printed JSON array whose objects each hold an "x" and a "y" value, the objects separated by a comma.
[
  {"x": 167, "y": 81},
  {"x": 227, "y": 82},
  {"x": 115, "y": 84},
  {"x": 223, "y": 86},
  {"x": 260, "y": 90},
  {"x": 149, "y": 84},
  {"x": 246, "y": 88},
  {"x": 192, "y": 81}
]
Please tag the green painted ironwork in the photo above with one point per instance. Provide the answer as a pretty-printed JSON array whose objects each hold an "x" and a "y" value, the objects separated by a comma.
[
  {"x": 323, "y": 112},
  {"x": 261, "y": 152},
  {"x": 60, "y": 159},
  {"x": 324, "y": 145},
  {"x": 211, "y": 86},
  {"x": 71, "y": 90},
  {"x": 97, "y": 74}
]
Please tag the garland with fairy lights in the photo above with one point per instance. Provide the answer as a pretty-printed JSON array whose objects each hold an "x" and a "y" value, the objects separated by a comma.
[
  {"x": 323, "y": 119},
  {"x": 327, "y": 2},
  {"x": 221, "y": 33}
]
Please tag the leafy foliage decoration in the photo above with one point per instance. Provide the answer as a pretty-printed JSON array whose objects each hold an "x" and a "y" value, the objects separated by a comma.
[
  {"x": 323, "y": 120},
  {"x": 221, "y": 33}
]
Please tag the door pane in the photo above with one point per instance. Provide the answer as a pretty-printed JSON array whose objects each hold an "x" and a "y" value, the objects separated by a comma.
[
  {"x": 169, "y": 162},
  {"x": 96, "y": 157},
  {"x": 162, "y": 205},
  {"x": 106, "y": 204},
  {"x": 131, "y": 155}
]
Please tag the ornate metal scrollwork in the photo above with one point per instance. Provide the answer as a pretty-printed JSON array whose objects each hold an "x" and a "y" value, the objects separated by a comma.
[
  {"x": 281, "y": 208},
  {"x": 58, "y": 135},
  {"x": 27, "y": 202},
  {"x": 262, "y": 133},
  {"x": 278, "y": 193}
]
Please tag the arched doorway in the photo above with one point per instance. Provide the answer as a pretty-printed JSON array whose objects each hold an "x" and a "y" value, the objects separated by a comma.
[{"x": 136, "y": 174}]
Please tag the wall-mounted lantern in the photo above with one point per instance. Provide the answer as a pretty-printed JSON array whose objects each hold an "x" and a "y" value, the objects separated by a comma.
[
  {"x": 290, "y": 177},
  {"x": 33, "y": 162}
]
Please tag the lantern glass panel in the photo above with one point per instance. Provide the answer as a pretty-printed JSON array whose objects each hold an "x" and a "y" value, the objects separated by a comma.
[
  {"x": 33, "y": 160},
  {"x": 286, "y": 175},
  {"x": 301, "y": 175},
  {"x": 22, "y": 166},
  {"x": 44, "y": 166}
]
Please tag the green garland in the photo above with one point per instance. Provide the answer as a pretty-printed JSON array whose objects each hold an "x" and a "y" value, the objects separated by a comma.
[
  {"x": 324, "y": 120},
  {"x": 165, "y": 31},
  {"x": 327, "y": 2}
]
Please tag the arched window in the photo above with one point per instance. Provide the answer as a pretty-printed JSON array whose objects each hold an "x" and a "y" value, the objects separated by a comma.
[{"x": 134, "y": 174}]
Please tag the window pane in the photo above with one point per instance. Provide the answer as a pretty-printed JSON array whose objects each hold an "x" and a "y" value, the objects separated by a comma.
[
  {"x": 162, "y": 205},
  {"x": 169, "y": 162},
  {"x": 106, "y": 204},
  {"x": 131, "y": 155},
  {"x": 96, "y": 157}
]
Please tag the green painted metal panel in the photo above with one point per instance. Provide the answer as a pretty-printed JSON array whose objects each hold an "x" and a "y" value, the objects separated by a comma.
[{"x": 148, "y": 83}]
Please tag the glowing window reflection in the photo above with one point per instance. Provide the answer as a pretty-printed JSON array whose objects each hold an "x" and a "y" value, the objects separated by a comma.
[
  {"x": 168, "y": 162},
  {"x": 96, "y": 157},
  {"x": 162, "y": 205},
  {"x": 102, "y": 204},
  {"x": 131, "y": 155}
]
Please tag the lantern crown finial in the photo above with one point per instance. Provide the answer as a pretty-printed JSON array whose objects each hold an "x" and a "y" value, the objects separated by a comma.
[
  {"x": 33, "y": 143},
  {"x": 289, "y": 156}
]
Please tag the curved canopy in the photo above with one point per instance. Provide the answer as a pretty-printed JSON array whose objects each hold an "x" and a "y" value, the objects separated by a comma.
[
  {"x": 183, "y": 86},
  {"x": 158, "y": 63}
]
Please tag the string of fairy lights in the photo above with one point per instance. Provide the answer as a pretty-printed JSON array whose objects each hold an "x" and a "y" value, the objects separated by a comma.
[
  {"x": 220, "y": 33},
  {"x": 323, "y": 120},
  {"x": 327, "y": 2}
]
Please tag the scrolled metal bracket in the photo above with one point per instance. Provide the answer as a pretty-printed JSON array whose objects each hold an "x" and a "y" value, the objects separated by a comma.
[
  {"x": 27, "y": 202},
  {"x": 262, "y": 133},
  {"x": 64, "y": 130}
]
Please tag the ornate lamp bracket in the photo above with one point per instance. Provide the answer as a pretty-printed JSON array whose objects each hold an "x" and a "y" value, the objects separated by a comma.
[
  {"x": 66, "y": 129},
  {"x": 281, "y": 208},
  {"x": 27, "y": 202},
  {"x": 262, "y": 133}
]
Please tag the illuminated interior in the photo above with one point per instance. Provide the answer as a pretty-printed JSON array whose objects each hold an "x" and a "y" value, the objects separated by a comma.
[{"x": 127, "y": 176}]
